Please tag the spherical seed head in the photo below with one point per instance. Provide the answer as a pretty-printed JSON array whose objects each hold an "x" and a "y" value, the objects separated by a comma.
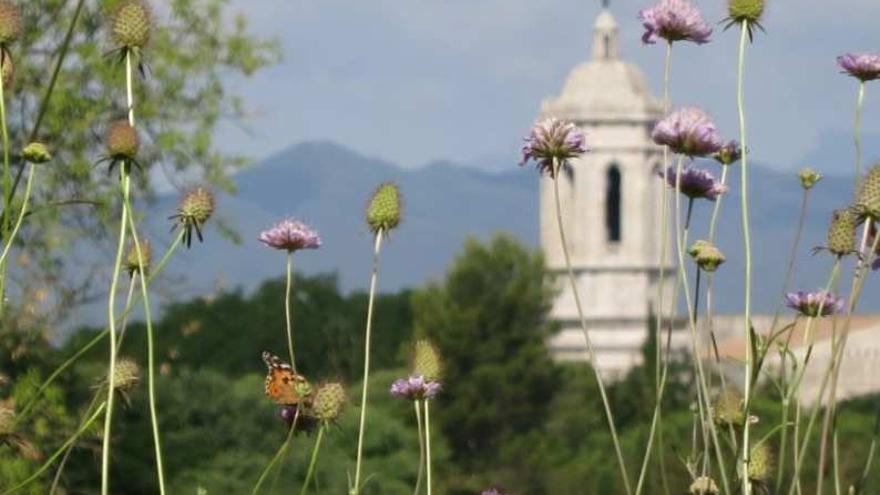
[
  {"x": 132, "y": 263},
  {"x": 197, "y": 205},
  {"x": 36, "y": 152},
  {"x": 868, "y": 199},
  {"x": 761, "y": 464},
  {"x": 131, "y": 24},
  {"x": 384, "y": 209},
  {"x": 842, "y": 232},
  {"x": 329, "y": 401},
  {"x": 122, "y": 141},
  {"x": 127, "y": 374},
  {"x": 427, "y": 360},
  {"x": 728, "y": 409},
  {"x": 10, "y": 22},
  {"x": 745, "y": 10},
  {"x": 809, "y": 178},
  {"x": 703, "y": 485}
]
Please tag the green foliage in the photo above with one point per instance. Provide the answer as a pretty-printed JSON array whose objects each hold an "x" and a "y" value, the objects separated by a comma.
[
  {"x": 192, "y": 53},
  {"x": 488, "y": 319}
]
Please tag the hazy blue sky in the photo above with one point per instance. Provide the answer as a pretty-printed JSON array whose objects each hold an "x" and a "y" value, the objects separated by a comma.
[{"x": 413, "y": 81}]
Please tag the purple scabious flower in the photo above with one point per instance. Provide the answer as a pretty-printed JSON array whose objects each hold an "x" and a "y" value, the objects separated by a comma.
[
  {"x": 862, "y": 66},
  {"x": 730, "y": 153},
  {"x": 674, "y": 20},
  {"x": 808, "y": 303},
  {"x": 553, "y": 139},
  {"x": 695, "y": 183},
  {"x": 492, "y": 491},
  {"x": 688, "y": 131},
  {"x": 415, "y": 387},
  {"x": 290, "y": 235}
]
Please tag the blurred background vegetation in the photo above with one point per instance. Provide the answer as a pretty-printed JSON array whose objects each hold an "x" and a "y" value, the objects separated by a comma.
[{"x": 508, "y": 415}]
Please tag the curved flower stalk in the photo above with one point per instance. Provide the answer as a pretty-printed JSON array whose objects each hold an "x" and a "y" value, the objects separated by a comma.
[
  {"x": 290, "y": 235},
  {"x": 383, "y": 214},
  {"x": 551, "y": 143},
  {"x": 864, "y": 67}
]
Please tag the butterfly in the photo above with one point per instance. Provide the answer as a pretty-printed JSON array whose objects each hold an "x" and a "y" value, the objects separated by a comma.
[{"x": 283, "y": 385}]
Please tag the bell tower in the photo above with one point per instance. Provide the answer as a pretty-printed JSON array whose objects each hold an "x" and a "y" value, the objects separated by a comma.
[{"x": 610, "y": 198}]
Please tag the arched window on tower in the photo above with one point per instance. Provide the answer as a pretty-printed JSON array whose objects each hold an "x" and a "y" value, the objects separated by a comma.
[{"x": 612, "y": 204}]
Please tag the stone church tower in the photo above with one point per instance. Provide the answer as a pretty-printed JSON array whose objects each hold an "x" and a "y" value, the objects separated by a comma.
[{"x": 610, "y": 198}]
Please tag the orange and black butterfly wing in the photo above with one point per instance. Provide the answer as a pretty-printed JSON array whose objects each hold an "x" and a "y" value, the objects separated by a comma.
[{"x": 281, "y": 381}]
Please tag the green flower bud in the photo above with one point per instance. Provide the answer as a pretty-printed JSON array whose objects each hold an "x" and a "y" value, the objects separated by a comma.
[
  {"x": 842, "y": 232},
  {"x": 36, "y": 152},
  {"x": 384, "y": 209},
  {"x": 131, "y": 24},
  {"x": 868, "y": 199},
  {"x": 745, "y": 10},
  {"x": 729, "y": 409},
  {"x": 426, "y": 361},
  {"x": 329, "y": 401},
  {"x": 809, "y": 178}
]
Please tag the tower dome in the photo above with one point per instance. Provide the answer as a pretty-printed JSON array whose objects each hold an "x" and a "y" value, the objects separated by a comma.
[{"x": 605, "y": 88}]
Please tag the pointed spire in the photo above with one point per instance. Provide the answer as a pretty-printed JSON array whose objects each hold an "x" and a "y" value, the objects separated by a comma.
[{"x": 606, "y": 43}]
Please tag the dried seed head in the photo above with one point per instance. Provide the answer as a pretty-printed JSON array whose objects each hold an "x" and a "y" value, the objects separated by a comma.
[
  {"x": 10, "y": 22},
  {"x": 427, "y": 362},
  {"x": 809, "y": 178},
  {"x": 745, "y": 10},
  {"x": 728, "y": 409},
  {"x": 122, "y": 141},
  {"x": 132, "y": 263},
  {"x": 131, "y": 25},
  {"x": 761, "y": 464},
  {"x": 7, "y": 418},
  {"x": 36, "y": 152},
  {"x": 868, "y": 199},
  {"x": 842, "y": 232},
  {"x": 329, "y": 401},
  {"x": 384, "y": 209},
  {"x": 703, "y": 485},
  {"x": 127, "y": 375},
  {"x": 195, "y": 208}
]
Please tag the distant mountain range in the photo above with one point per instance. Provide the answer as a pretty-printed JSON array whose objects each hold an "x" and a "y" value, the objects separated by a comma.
[{"x": 327, "y": 185}]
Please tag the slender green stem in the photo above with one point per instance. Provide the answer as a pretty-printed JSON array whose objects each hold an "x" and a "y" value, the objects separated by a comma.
[
  {"x": 151, "y": 353},
  {"x": 57, "y": 453},
  {"x": 128, "y": 298},
  {"x": 860, "y": 102},
  {"x": 111, "y": 318},
  {"x": 314, "y": 460},
  {"x": 287, "y": 315},
  {"x": 7, "y": 179},
  {"x": 660, "y": 369},
  {"x": 99, "y": 336},
  {"x": 56, "y": 480},
  {"x": 282, "y": 450},
  {"x": 594, "y": 362},
  {"x": 740, "y": 103},
  {"x": 421, "y": 447},
  {"x": 18, "y": 222},
  {"x": 428, "y": 444},
  {"x": 374, "y": 277}
]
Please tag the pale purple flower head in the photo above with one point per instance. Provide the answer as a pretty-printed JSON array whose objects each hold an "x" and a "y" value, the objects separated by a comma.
[
  {"x": 553, "y": 139},
  {"x": 290, "y": 235},
  {"x": 688, "y": 131},
  {"x": 862, "y": 66},
  {"x": 415, "y": 388},
  {"x": 730, "y": 153},
  {"x": 674, "y": 20},
  {"x": 695, "y": 183},
  {"x": 492, "y": 491},
  {"x": 808, "y": 303}
]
